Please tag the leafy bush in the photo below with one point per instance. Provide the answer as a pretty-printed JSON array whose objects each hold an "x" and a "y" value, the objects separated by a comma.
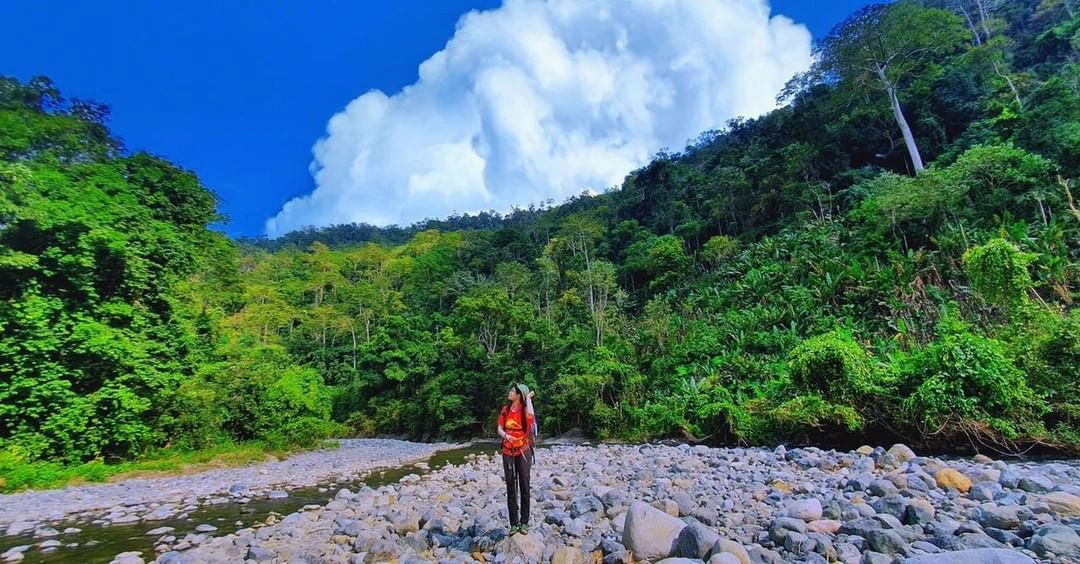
[
  {"x": 964, "y": 376},
  {"x": 1061, "y": 353},
  {"x": 802, "y": 419},
  {"x": 834, "y": 365},
  {"x": 253, "y": 395},
  {"x": 998, "y": 272},
  {"x": 303, "y": 432}
]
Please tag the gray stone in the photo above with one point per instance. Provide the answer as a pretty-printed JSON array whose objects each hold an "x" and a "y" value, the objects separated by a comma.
[
  {"x": 805, "y": 509},
  {"x": 882, "y": 487},
  {"x": 860, "y": 527},
  {"x": 695, "y": 541},
  {"x": 984, "y": 491},
  {"x": 1035, "y": 484},
  {"x": 886, "y": 541},
  {"x": 649, "y": 533},
  {"x": 919, "y": 511},
  {"x": 975, "y": 556},
  {"x": 14, "y": 553},
  {"x": 130, "y": 557},
  {"x": 798, "y": 543},
  {"x": 405, "y": 523},
  {"x": 46, "y": 532},
  {"x": 574, "y": 527},
  {"x": 205, "y": 528},
  {"x": 172, "y": 557},
  {"x": 1005, "y": 537},
  {"x": 871, "y": 557},
  {"x": 529, "y": 547},
  {"x": 759, "y": 555},
  {"x": 238, "y": 490},
  {"x": 159, "y": 531},
  {"x": 979, "y": 540},
  {"x": 848, "y": 553},
  {"x": 383, "y": 551},
  {"x": 724, "y": 558},
  {"x": 999, "y": 517},
  {"x": 733, "y": 548},
  {"x": 925, "y": 547},
  {"x": 1057, "y": 539},
  {"x": 901, "y": 453},
  {"x": 259, "y": 554},
  {"x": 859, "y": 483},
  {"x": 584, "y": 505},
  {"x": 160, "y": 513},
  {"x": 784, "y": 525},
  {"x": 892, "y": 504},
  {"x": 685, "y": 502},
  {"x": 278, "y": 494}
]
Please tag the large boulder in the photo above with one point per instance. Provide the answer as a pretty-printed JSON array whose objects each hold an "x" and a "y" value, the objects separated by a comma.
[
  {"x": 901, "y": 453},
  {"x": 1057, "y": 539},
  {"x": 1063, "y": 503},
  {"x": 695, "y": 541},
  {"x": 998, "y": 516},
  {"x": 529, "y": 547},
  {"x": 726, "y": 546},
  {"x": 650, "y": 533},
  {"x": 1035, "y": 484}
]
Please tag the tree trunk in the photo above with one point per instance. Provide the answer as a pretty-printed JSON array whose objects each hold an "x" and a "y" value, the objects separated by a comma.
[
  {"x": 592, "y": 293},
  {"x": 898, "y": 113},
  {"x": 352, "y": 330},
  {"x": 984, "y": 15},
  {"x": 1012, "y": 86},
  {"x": 971, "y": 23}
]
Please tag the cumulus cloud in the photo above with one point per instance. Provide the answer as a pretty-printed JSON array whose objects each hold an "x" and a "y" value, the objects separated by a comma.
[{"x": 545, "y": 99}]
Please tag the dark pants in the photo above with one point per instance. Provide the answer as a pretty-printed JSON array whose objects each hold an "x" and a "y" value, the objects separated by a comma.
[{"x": 516, "y": 470}]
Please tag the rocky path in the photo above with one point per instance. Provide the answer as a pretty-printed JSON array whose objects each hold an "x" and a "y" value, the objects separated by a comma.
[{"x": 683, "y": 505}]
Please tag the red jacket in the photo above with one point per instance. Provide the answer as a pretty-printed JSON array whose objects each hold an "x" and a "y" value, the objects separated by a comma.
[{"x": 517, "y": 424}]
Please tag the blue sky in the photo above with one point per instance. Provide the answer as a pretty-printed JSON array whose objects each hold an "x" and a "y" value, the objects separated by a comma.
[{"x": 240, "y": 91}]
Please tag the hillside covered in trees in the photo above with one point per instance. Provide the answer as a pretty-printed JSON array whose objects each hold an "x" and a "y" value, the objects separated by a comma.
[{"x": 894, "y": 251}]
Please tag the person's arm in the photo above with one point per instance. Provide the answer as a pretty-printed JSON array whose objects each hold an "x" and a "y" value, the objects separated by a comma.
[
  {"x": 501, "y": 431},
  {"x": 528, "y": 404}
]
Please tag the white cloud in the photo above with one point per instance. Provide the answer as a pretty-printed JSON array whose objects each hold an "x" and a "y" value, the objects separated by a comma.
[{"x": 538, "y": 100}]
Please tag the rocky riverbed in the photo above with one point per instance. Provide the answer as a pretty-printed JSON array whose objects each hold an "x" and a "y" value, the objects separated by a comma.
[
  {"x": 36, "y": 516},
  {"x": 681, "y": 505}
]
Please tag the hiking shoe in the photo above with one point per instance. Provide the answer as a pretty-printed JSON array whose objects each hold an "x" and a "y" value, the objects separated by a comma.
[
  {"x": 514, "y": 529},
  {"x": 523, "y": 529}
]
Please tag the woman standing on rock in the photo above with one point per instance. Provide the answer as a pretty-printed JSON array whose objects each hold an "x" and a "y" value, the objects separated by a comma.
[{"x": 516, "y": 424}]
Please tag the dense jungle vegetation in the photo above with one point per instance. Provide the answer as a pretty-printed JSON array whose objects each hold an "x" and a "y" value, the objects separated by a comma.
[{"x": 892, "y": 253}]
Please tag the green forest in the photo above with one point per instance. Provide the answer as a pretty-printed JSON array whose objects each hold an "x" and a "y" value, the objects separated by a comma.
[{"x": 894, "y": 253}]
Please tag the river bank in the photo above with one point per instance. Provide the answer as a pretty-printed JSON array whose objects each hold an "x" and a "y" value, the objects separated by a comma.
[
  {"x": 619, "y": 503},
  {"x": 622, "y": 503},
  {"x": 31, "y": 515}
]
